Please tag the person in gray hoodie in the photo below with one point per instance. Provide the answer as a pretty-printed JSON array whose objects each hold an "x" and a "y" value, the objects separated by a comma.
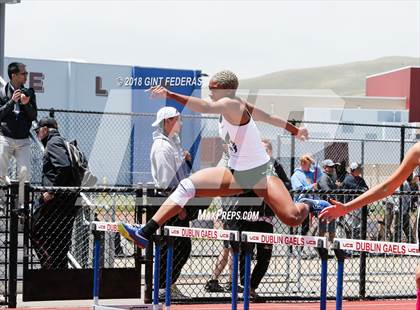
[{"x": 170, "y": 164}]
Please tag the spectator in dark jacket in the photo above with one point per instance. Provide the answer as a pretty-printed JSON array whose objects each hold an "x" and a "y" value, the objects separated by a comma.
[
  {"x": 53, "y": 218},
  {"x": 17, "y": 111},
  {"x": 355, "y": 181},
  {"x": 328, "y": 182},
  {"x": 264, "y": 223}
]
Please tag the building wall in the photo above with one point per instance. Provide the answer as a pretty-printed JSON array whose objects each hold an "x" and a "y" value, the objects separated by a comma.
[
  {"x": 117, "y": 145},
  {"x": 404, "y": 82}
]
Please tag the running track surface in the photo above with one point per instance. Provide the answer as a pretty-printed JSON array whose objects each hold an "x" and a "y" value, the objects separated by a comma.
[{"x": 349, "y": 305}]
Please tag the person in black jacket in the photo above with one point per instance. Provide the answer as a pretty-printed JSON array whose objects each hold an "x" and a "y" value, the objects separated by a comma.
[
  {"x": 328, "y": 182},
  {"x": 264, "y": 223},
  {"x": 53, "y": 217},
  {"x": 17, "y": 111},
  {"x": 355, "y": 181}
]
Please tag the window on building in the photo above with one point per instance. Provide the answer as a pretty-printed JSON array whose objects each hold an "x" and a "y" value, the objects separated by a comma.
[
  {"x": 389, "y": 116},
  {"x": 386, "y": 116}
]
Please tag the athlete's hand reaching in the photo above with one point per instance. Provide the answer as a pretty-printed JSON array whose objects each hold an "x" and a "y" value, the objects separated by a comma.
[
  {"x": 302, "y": 134},
  {"x": 336, "y": 210},
  {"x": 158, "y": 92}
]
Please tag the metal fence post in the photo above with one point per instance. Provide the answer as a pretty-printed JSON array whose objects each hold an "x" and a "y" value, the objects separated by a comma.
[
  {"x": 363, "y": 234},
  {"x": 398, "y": 216},
  {"x": 362, "y": 158},
  {"x": 292, "y": 170},
  {"x": 27, "y": 213},
  {"x": 148, "y": 276},
  {"x": 278, "y": 146},
  {"x": 14, "y": 206},
  {"x": 362, "y": 273},
  {"x": 292, "y": 151},
  {"x": 402, "y": 144}
]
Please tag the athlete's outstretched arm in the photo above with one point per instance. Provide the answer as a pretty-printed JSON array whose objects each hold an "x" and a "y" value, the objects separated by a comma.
[
  {"x": 259, "y": 115},
  {"x": 193, "y": 103},
  {"x": 410, "y": 162}
]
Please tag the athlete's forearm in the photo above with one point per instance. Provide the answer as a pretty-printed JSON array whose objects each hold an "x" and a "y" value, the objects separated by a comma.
[
  {"x": 374, "y": 194},
  {"x": 391, "y": 184},
  {"x": 260, "y": 115},
  {"x": 281, "y": 123}
]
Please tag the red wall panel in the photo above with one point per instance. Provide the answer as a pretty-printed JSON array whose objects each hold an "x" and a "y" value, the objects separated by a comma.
[{"x": 399, "y": 83}]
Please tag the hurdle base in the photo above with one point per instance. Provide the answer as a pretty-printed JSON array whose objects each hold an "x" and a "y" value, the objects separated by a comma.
[{"x": 129, "y": 307}]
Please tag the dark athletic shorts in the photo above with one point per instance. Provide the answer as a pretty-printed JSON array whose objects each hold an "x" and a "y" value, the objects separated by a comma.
[{"x": 247, "y": 179}]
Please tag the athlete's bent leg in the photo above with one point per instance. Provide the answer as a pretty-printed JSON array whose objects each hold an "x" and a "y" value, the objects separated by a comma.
[
  {"x": 211, "y": 182},
  {"x": 276, "y": 195}
]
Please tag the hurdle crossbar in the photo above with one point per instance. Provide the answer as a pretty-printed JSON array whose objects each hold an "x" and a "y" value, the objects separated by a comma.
[
  {"x": 380, "y": 247},
  {"x": 320, "y": 243},
  {"x": 202, "y": 233},
  {"x": 206, "y": 234},
  {"x": 294, "y": 240}
]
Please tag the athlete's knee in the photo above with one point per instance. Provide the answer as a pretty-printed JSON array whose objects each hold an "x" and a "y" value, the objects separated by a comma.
[
  {"x": 296, "y": 215},
  {"x": 183, "y": 193}
]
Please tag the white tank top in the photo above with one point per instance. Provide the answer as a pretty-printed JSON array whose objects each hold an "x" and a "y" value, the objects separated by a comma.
[{"x": 244, "y": 145}]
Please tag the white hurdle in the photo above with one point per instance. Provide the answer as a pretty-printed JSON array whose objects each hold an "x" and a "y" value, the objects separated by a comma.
[
  {"x": 98, "y": 227},
  {"x": 380, "y": 247},
  {"x": 320, "y": 243},
  {"x": 207, "y": 234}
]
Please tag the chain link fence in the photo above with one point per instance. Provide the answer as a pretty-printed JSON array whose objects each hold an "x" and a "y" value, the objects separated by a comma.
[
  {"x": 60, "y": 237},
  {"x": 60, "y": 232},
  {"x": 116, "y": 158},
  {"x": 4, "y": 241},
  {"x": 9, "y": 252},
  {"x": 293, "y": 273}
]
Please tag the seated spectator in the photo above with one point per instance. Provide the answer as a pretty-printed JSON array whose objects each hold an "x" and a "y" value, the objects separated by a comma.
[{"x": 305, "y": 177}]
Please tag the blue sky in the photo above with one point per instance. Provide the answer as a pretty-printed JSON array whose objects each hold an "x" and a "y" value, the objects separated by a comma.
[{"x": 248, "y": 37}]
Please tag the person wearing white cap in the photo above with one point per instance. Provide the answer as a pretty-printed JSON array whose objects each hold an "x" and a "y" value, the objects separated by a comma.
[
  {"x": 170, "y": 164},
  {"x": 167, "y": 156},
  {"x": 164, "y": 113}
]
